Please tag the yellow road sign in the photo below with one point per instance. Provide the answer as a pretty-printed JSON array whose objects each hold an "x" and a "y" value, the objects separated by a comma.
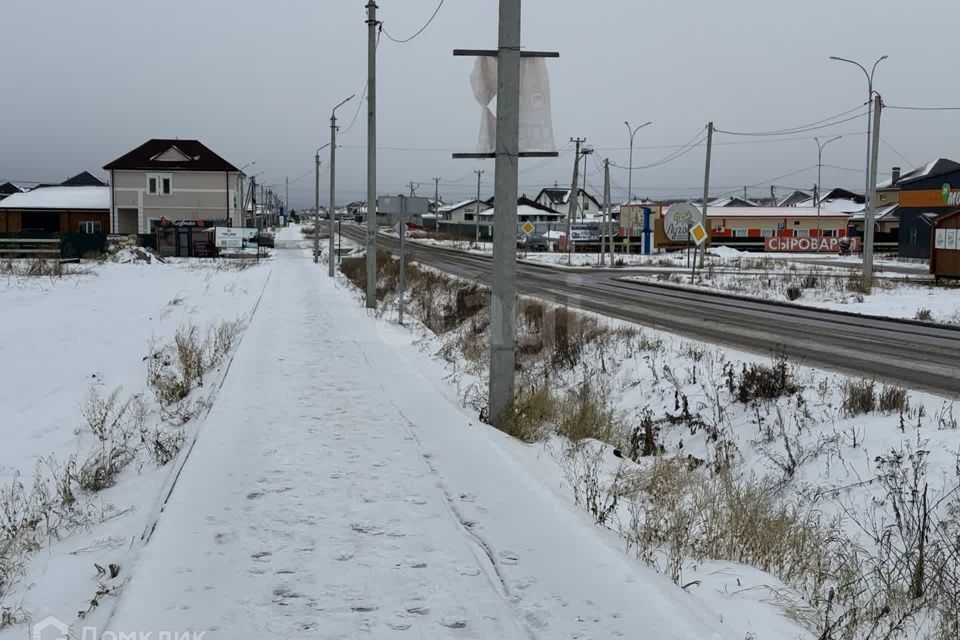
[
  {"x": 528, "y": 228},
  {"x": 698, "y": 233}
]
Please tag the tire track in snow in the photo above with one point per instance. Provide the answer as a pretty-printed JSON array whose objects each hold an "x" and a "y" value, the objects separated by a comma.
[{"x": 486, "y": 558}]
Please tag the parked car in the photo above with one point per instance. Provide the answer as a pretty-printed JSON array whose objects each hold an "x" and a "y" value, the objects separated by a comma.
[
  {"x": 265, "y": 239},
  {"x": 537, "y": 243}
]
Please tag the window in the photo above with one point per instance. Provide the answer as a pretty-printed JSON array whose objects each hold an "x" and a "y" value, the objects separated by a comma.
[
  {"x": 586, "y": 205},
  {"x": 160, "y": 184},
  {"x": 741, "y": 233},
  {"x": 468, "y": 216},
  {"x": 914, "y": 236},
  {"x": 829, "y": 233},
  {"x": 92, "y": 226},
  {"x": 768, "y": 233},
  {"x": 801, "y": 233}
]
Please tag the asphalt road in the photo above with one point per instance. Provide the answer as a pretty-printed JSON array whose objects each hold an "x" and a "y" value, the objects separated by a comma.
[{"x": 911, "y": 354}]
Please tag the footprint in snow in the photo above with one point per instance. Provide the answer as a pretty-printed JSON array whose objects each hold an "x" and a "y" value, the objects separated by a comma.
[
  {"x": 418, "y": 610},
  {"x": 467, "y": 497},
  {"x": 508, "y": 557},
  {"x": 417, "y": 500},
  {"x": 469, "y": 571},
  {"x": 453, "y": 622}
]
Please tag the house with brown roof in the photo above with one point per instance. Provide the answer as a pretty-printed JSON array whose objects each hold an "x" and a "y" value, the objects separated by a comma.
[{"x": 180, "y": 183}]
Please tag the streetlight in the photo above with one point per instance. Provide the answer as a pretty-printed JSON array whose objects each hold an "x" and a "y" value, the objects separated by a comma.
[
  {"x": 819, "y": 194},
  {"x": 333, "y": 178},
  {"x": 868, "y": 204},
  {"x": 316, "y": 207},
  {"x": 633, "y": 132}
]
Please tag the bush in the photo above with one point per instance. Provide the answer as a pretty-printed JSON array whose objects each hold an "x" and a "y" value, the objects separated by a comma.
[
  {"x": 763, "y": 382},
  {"x": 894, "y": 399},
  {"x": 794, "y": 292},
  {"x": 530, "y": 413},
  {"x": 924, "y": 314},
  {"x": 586, "y": 413},
  {"x": 859, "y": 397},
  {"x": 809, "y": 281}
]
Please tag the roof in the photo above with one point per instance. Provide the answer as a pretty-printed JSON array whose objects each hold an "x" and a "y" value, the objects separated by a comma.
[
  {"x": 85, "y": 198},
  {"x": 83, "y": 179},
  {"x": 733, "y": 202},
  {"x": 463, "y": 203},
  {"x": 561, "y": 196},
  {"x": 934, "y": 168},
  {"x": 887, "y": 213},
  {"x": 526, "y": 210},
  {"x": 9, "y": 188},
  {"x": 771, "y": 212},
  {"x": 794, "y": 198},
  {"x": 166, "y": 155}
]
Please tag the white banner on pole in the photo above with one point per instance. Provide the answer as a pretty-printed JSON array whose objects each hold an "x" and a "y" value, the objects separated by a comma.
[{"x": 536, "y": 117}]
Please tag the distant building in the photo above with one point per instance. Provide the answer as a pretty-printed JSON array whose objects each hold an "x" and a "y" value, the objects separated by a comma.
[
  {"x": 175, "y": 182},
  {"x": 923, "y": 195},
  {"x": 9, "y": 188},
  {"x": 84, "y": 179},
  {"x": 464, "y": 211},
  {"x": 733, "y": 202},
  {"x": 558, "y": 199},
  {"x": 795, "y": 198}
]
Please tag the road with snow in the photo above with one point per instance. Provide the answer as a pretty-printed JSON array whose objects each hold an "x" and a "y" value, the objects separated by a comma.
[
  {"x": 336, "y": 491},
  {"x": 916, "y": 355}
]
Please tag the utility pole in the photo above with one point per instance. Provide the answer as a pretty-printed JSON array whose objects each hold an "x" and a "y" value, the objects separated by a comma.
[
  {"x": 773, "y": 196},
  {"x": 583, "y": 213},
  {"x": 868, "y": 214},
  {"x": 436, "y": 204},
  {"x": 286, "y": 202},
  {"x": 476, "y": 216},
  {"x": 316, "y": 211},
  {"x": 744, "y": 199},
  {"x": 371, "y": 154},
  {"x": 413, "y": 188},
  {"x": 608, "y": 229},
  {"x": 503, "y": 302},
  {"x": 706, "y": 191},
  {"x": 633, "y": 132},
  {"x": 333, "y": 180},
  {"x": 572, "y": 200},
  {"x": 817, "y": 189}
]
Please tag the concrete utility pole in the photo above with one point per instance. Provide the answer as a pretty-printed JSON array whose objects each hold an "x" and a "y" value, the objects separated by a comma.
[
  {"x": 316, "y": 208},
  {"x": 633, "y": 132},
  {"x": 371, "y": 154},
  {"x": 868, "y": 214},
  {"x": 773, "y": 196},
  {"x": 572, "y": 200},
  {"x": 608, "y": 229},
  {"x": 333, "y": 180},
  {"x": 436, "y": 204},
  {"x": 816, "y": 191},
  {"x": 503, "y": 302},
  {"x": 286, "y": 202},
  {"x": 476, "y": 216},
  {"x": 706, "y": 192},
  {"x": 744, "y": 199},
  {"x": 583, "y": 212}
]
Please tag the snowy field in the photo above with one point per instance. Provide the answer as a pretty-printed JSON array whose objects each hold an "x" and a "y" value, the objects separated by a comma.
[{"x": 81, "y": 336}]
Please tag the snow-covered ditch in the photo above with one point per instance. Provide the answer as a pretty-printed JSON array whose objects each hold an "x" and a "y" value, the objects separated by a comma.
[
  {"x": 105, "y": 372},
  {"x": 791, "y": 502}
]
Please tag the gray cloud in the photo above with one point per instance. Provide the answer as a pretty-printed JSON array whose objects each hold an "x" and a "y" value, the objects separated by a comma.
[{"x": 86, "y": 81}]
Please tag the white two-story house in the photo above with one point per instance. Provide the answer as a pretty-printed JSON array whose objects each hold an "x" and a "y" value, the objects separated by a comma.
[{"x": 177, "y": 182}]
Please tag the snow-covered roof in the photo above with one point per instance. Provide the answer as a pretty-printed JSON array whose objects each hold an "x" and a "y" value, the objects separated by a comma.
[
  {"x": 733, "y": 202},
  {"x": 525, "y": 210},
  {"x": 934, "y": 168},
  {"x": 771, "y": 212},
  {"x": 452, "y": 207},
  {"x": 60, "y": 198},
  {"x": 880, "y": 213},
  {"x": 843, "y": 205}
]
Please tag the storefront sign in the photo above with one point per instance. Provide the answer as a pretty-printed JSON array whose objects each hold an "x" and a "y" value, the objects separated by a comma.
[
  {"x": 945, "y": 196},
  {"x": 229, "y": 238},
  {"x": 807, "y": 245}
]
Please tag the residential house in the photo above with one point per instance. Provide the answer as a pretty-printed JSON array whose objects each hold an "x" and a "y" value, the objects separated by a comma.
[
  {"x": 733, "y": 202},
  {"x": 9, "y": 188},
  {"x": 57, "y": 210},
  {"x": 558, "y": 199},
  {"x": 84, "y": 179},
  {"x": 795, "y": 198},
  {"x": 464, "y": 211},
  {"x": 923, "y": 195},
  {"x": 180, "y": 183}
]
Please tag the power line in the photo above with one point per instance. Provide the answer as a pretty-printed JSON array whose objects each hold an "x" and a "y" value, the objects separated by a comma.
[
  {"x": 900, "y": 155},
  {"x": 923, "y": 108},
  {"x": 419, "y": 31},
  {"x": 803, "y": 129},
  {"x": 694, "y": 142}
]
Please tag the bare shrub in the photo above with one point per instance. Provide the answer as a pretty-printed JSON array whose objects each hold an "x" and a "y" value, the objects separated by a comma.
[
  {"x": 162, "y": 445},
  {"x": 794, "y": 292},
  {"x": 759, "y": 382},
  {"x": 530, "y": 413},
  {"x": 894, "y": 399},
  {"x": 583, "y": 467},
  {"x": 859, "y": 397},
  {"x": 587, "y": 413},
  {"x": 923, "y": 314}
]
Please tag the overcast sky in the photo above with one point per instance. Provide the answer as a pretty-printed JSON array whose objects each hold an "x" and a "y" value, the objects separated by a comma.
[{"x": 84, "y": 82}]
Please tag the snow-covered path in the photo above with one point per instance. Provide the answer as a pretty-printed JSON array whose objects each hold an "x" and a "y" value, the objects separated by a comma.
[{"x": 335, "y": 492}]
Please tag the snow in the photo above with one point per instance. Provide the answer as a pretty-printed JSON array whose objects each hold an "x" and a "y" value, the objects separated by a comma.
[{"x": 60, "y": 198}]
